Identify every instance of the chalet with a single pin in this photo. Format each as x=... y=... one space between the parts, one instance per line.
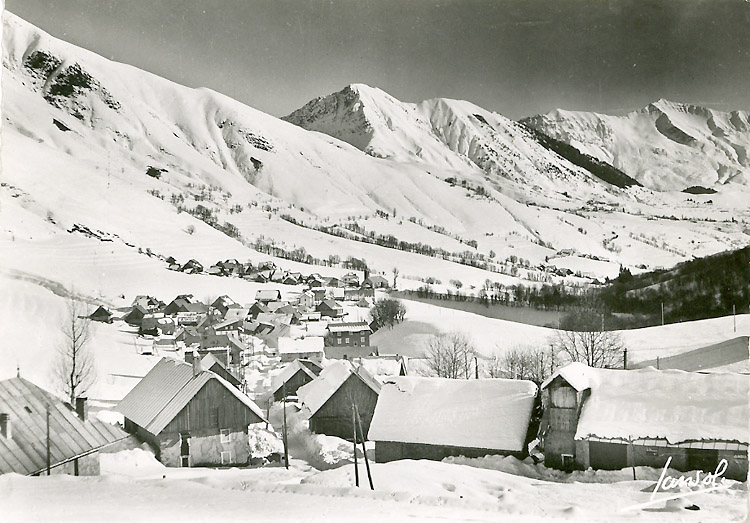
x=223 y=304
x=291 y=378
x=328 y=399
x=266 y=266
x=268 y=295
x=177 y=305
x=149 y=303
x=375 y=282
x=191 y=416
x=433 y=418
x=365 y=302
x=348 y=334
x=150 y=323
x=350 y=279
x=258 y=308
x=189 y=335
x=101 y=314
x=310 y=348
x=330 y=308
x=192 y=267
x=135 y=315
x=292 y=278
x=315 y=281
x=333 y=281
x=277 y=276
x=236 y=314
x=76 y=439
x=229 y=341
x=215 y=270
x=227 y=326
x=306 y=300
x=612 y=419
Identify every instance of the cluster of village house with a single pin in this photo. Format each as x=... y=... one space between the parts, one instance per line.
x=194 y=410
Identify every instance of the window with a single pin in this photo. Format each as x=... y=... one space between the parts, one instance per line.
x=346 y=340
x=184 y=449
x=226 y=457
x=362 y=338
x=225 y=437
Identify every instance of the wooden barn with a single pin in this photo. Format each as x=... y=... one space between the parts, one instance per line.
x=191 y=416
x=612 y=419
x=309 y=348
x=101 y=314
x=433 y=418
x=135 y=315
x=291 y=378
x=330 y=308
x=210 y=362
x=328 y=399
x=76 y=440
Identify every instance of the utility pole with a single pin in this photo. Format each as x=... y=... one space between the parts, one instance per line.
x=662 y=314
x=48 y=446
x=625 y=358
x=734 y=316
x=476 y=368
x=354 y=443
x=286 y=445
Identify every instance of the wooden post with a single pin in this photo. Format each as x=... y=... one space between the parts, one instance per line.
x=734 y=316
x=657 y=363
x=632 y=455
x=354 y=445
x=286 y=444
x=364 y=449
x=662 y=313
x=625 y=358
x=48 y=449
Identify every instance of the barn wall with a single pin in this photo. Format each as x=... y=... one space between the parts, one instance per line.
x=212 y=407
x=335 y=417
x=386 y=451
x=561 y=419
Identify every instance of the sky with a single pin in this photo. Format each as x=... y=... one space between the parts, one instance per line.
x=514 y=57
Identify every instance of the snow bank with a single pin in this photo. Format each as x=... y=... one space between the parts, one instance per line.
x=133 y=463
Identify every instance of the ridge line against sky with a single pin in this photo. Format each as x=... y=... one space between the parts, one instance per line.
x=514 y=57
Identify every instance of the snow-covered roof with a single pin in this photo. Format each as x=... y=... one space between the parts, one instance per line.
x=487 y=414
x=301 y=345
x=315 y=394
x=671 y=404
x=381 y=366
x=356 y=326
x=288 y=372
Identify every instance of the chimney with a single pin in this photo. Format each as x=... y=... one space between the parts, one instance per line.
x=82 y=408
x=189 y=357
x=5 y=425
x=197 y=368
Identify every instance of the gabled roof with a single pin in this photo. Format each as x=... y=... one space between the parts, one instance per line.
x=268 y=295
x=486 y=414
x=301 y=345
x=166 y=390
x=316 y=393
x=331 y=304
x=288 y=372
x=660 y=404
x=26 y=451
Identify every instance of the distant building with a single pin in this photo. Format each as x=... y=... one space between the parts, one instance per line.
x=291 y=378
x=328 y=399
x=309 y=348
x=268 y=295
x=433 y=418
x=135 y=315
x=375 y=282
x=101 y=314
x=330 y=308
x=76 y=439
x=191 y=416
x=348 y=334
x=611 y=419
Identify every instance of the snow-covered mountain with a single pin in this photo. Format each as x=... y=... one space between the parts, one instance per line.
x=171 y=169
x=667 y=146
x=444 y=133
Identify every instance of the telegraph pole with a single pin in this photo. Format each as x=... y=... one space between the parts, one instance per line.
x=48 y=450
x=662 y=314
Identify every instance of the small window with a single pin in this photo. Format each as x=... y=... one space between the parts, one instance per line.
x=226 y=457
x=362 y=339
x=225 y=437
x=346 y=340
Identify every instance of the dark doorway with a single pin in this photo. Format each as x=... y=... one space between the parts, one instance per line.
x=185 y=449
x=608 y=456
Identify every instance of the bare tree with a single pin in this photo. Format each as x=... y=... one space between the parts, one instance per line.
x=582 y=338
x=449 y=355
x=74 y=369
x=523 y=363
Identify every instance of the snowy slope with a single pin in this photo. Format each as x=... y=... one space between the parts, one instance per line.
x=667 y=146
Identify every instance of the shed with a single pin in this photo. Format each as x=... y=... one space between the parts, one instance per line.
x=330 y=308
x=612 y=419
x=191 y=416
x=328 y=399
x=76 y=439
x=268 y=295
x=101 y=314
x=135 y=315
x=291 y=378
x=432 y=418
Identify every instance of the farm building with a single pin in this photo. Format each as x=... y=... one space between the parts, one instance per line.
x=348 y=334
x=330 y=308
x=191 y=416
x=384 y=367
x=350 y=353
x=611 y=419
x=101 y=314
x=210 y=362
x=375 y=282
x=224 y=303
x=75 y=439
x=135 y=315
x=291 y=378
x=328 y=399
x=268 y=295
x=433 y=418
x=309 y=348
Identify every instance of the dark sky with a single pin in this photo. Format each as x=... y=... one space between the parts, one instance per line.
x=515 y=57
